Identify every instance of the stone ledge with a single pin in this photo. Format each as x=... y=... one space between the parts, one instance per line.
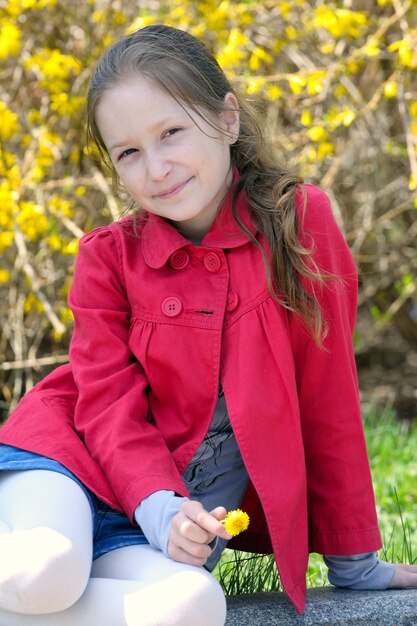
x=326 y=606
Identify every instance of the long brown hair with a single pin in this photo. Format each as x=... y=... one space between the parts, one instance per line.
x=182 y=65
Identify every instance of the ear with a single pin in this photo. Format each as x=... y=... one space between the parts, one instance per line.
x=231 y=116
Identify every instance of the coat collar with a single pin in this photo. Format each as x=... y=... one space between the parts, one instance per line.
x=160 y=239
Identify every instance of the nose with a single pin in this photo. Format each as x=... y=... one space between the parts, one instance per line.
x=157 y=166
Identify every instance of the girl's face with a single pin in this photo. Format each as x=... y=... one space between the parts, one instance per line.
x=170 y=160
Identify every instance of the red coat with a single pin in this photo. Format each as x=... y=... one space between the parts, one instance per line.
x=158 y=322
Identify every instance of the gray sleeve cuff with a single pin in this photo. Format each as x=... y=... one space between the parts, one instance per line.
x=359 y=571
x=154 y=515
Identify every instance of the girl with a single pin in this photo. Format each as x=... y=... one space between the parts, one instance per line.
x=211 y=367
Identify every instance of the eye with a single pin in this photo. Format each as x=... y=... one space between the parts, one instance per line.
x=126 y=153
x=171 y=132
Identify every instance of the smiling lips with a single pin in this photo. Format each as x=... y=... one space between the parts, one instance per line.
x=172 y=191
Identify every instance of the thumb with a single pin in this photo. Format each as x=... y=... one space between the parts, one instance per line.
x=220 y=513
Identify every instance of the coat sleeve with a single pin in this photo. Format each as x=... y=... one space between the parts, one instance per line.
x=112 y=412
x=341 y=506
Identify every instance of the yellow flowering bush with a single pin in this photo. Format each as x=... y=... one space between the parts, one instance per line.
x=10 y=39
x=336 y=83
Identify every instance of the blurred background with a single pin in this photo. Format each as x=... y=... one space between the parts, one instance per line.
x=337 y=83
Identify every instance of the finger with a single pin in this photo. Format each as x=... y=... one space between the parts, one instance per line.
x=403 y=578
x=195 y=511
x=210 y=523
x=196 y=550
x=406 y=567
x=178 y=554
x=183 y=526
x=219 y=512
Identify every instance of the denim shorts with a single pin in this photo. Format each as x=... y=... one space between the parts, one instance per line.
x=111 y=529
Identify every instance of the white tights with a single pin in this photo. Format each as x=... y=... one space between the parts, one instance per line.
x=47 y=577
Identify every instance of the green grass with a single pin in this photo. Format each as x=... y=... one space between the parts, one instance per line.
x=392 y=448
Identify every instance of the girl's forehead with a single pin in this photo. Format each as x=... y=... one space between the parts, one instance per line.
x=141 y=95
x=135 y=92
x=145 y=91
x=138 y=82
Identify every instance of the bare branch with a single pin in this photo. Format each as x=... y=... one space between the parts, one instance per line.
x=34 y=363
x=35 y=283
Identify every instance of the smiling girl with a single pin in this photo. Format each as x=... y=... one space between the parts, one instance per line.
x=211 y=367
x=173 y=163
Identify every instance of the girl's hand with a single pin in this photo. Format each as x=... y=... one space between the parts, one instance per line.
x=192 y=529
x=405 y=576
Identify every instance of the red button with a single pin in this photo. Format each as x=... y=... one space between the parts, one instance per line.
x=232 y=301
x=179 y=259
x=212 y=262
x=171 y=306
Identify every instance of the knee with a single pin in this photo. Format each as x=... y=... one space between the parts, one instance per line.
x=41 y=571
x=186 y=597
x=206 y=604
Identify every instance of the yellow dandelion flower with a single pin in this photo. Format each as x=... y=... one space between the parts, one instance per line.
x=236 y=522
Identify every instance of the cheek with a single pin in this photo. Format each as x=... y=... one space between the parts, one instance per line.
x=131 y=179
x=214 y=158
x=219 y=158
